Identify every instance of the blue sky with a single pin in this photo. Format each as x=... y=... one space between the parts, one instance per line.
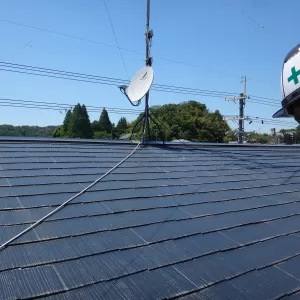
x=217 y=41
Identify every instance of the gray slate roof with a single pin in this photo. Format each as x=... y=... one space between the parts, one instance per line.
x=192 y=222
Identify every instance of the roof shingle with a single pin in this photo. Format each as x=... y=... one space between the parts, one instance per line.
x=188 y=222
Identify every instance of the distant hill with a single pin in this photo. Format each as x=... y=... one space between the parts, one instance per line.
x=32 y=131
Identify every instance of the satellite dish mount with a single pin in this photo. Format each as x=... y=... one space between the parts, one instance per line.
x=140 y=86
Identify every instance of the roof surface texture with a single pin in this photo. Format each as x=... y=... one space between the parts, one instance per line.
x=205 y=222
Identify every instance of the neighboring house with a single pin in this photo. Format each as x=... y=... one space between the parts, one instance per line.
x=289 y=138
x=177 y=221
x=282 y=138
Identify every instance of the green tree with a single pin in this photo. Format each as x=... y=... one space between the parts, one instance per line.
x=58 y=132
x=189 y=120
x=262 y=138
x=34 y=131
x=114 y=132
x=104 y=122
x=87 y=127
x=297 y=137
x=122 y=126
x=67 y=120
x=76 y=123
x=259 y=138
x=95 y=126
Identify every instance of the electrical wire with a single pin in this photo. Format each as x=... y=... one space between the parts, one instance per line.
x=103 y=80
x=109 y=45
x=275 y=124
x=8 y=102
x=81 y=77
x=4 y=245
x=38 y=71
x=124 y=49
x=5 y=102
x=60 y=77
x=61 y=72
x=58 y=109
x=271 y=121
x=252 y=20
x=94 y=79
x=116 y=39
x=264 y=98
x=117 y=82
x=64 y=105
x=264 y=103
x=65 y=35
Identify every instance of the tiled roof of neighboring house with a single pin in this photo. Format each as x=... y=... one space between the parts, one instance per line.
x=188 y=222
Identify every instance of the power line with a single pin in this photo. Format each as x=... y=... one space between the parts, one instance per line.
x=81 y=77
x=65 y=35
x=59 y=72
x=274 y=123
x=65 y=105
x=265 y=98
x=116 y=39
x=45 y=72
x=120 y=111
x=271 y=120
x=120 y=48
x=252 y=20
x=59 y=107
x=102 y=78
x=105 y=44
x=113 y=81
x=263 y=103
x=180 y=90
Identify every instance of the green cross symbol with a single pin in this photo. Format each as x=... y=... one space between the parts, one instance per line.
x=294 y=76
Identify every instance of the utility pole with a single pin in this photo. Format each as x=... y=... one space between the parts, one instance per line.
x=242 y=106
x=242 y=101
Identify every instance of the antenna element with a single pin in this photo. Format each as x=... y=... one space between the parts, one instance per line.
x=140 y=86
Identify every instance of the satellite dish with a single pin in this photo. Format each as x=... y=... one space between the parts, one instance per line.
x=139 y=85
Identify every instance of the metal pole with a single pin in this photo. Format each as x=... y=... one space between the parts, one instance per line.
x=147 y=31
x=146 y=129
x=241 y=121
x=241 y=115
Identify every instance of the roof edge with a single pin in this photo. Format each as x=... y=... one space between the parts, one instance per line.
x=64 y=140
x=221 y=145
x=134 y=142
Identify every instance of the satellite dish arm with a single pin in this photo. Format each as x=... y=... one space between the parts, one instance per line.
x=123 y=91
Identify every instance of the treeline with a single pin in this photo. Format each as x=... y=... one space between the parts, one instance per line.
x=30 y=131
x=189 y=121
x=77 y=124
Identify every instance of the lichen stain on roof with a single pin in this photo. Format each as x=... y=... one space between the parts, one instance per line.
x=180 y=221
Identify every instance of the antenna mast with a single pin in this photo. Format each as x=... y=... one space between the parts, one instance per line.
x=149 y=35
x=146 y=117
